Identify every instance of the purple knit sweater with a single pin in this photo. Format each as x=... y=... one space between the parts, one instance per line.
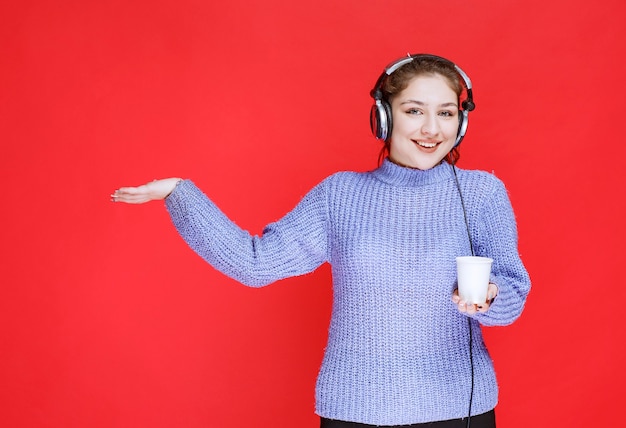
x=398 y=349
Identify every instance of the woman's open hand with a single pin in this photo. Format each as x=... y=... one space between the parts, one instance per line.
x=471 y=308
x=152 y=191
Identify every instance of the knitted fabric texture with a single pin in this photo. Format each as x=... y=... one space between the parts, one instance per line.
x=398 y=349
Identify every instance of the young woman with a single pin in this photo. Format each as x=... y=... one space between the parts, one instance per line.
x=403 y=348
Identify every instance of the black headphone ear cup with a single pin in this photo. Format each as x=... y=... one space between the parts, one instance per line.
x=463 y=120
x=468 y=105
x=380 y=120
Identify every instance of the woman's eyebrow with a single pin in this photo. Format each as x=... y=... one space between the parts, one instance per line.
x=421 y=103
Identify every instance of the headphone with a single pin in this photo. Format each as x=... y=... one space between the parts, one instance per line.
x=380 y=116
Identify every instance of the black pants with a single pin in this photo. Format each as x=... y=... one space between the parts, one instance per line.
x=486 y=420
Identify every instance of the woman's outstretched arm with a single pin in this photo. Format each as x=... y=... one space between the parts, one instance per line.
x=294 y=245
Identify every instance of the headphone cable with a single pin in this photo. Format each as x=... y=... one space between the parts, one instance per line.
x=469 y=320
x=458 y=186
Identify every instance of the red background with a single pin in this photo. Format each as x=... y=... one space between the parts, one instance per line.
x=107 y=319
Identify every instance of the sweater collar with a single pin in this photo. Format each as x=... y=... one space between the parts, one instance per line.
x=397 y=175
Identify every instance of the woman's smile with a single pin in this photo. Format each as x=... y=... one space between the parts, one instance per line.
x=426 y=144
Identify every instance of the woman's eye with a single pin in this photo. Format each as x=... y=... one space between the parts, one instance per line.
x=447 y=113
x=413 y=111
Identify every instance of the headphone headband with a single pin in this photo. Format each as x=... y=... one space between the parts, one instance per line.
x=380 y=117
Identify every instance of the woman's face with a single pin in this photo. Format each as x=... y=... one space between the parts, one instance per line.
x=425 y=122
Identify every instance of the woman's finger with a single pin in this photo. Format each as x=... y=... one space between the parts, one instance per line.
x=130 y=195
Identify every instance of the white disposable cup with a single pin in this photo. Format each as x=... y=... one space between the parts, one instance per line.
x=473 y=274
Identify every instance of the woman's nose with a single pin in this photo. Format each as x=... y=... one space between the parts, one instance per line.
x=430 y=126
